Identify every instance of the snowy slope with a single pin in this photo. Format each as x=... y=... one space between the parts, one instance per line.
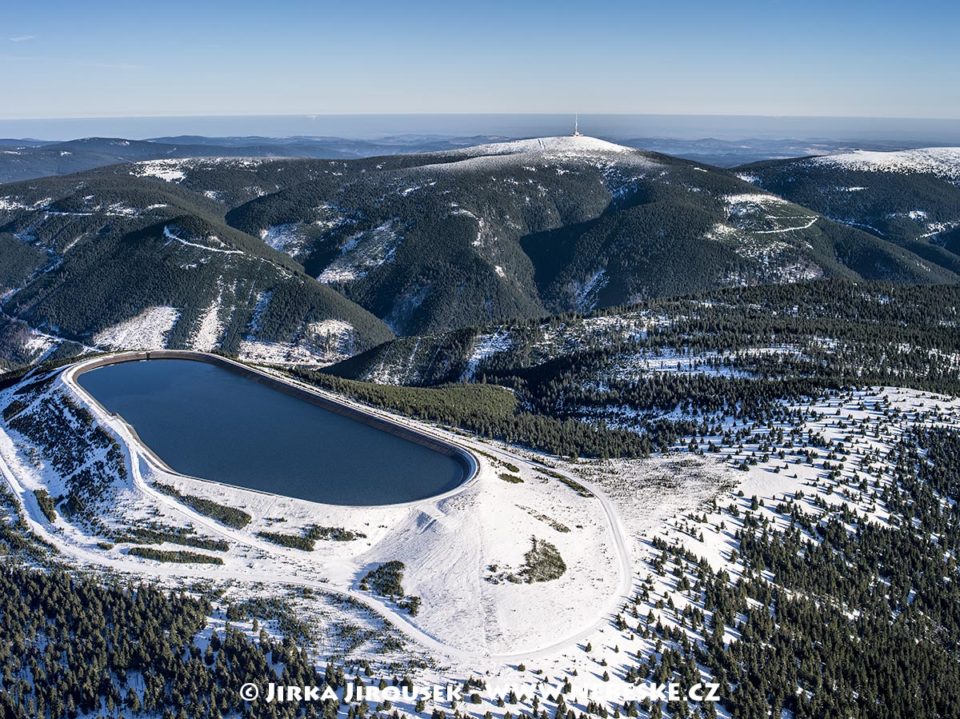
x=561 y=150
x=940 y=161
x=561 y=145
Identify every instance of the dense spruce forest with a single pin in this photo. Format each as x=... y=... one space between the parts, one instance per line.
x=864 y=623
x=76 y=647
x=742 y=352
x=489 y=412
x=839 y=329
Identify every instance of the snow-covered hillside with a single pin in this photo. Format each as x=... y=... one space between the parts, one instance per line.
x=940 y=161
x=175 y=170
x=562 y=150
x=569 y=145
x=148 y=330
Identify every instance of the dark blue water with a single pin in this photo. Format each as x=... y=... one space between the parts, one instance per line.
x=212 y=423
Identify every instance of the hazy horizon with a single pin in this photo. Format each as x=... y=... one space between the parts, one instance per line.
x=619 y=126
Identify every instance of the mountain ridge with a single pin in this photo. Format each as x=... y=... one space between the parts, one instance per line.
x=349 y=253
x=91 y=261
x=509 y=210
x=910 y=198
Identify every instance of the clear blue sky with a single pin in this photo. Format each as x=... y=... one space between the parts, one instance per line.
x=838 y=58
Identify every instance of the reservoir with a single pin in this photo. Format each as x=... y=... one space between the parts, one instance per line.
x=216 y=423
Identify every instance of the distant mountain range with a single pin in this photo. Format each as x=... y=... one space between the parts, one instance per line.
x=312 y=261
x=26 y=159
